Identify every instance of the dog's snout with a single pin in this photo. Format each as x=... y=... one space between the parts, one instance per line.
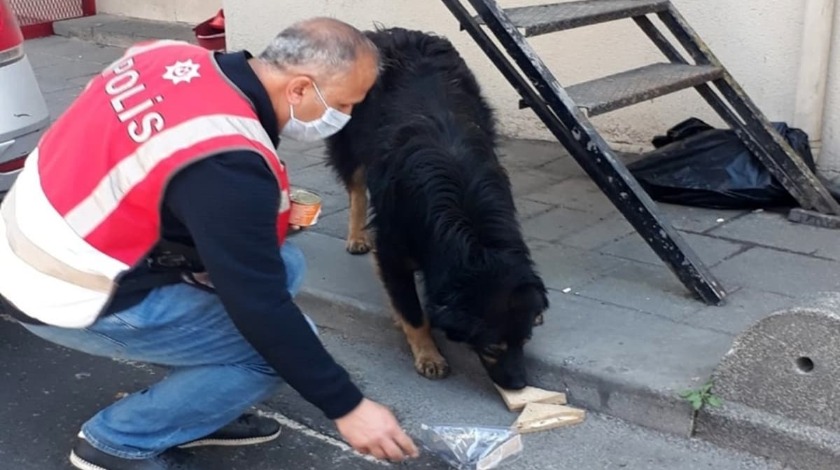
x=511 y=382
x=506 y=367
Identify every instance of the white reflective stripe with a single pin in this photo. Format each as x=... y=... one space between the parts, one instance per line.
x=39 y=259
x=42 y=224
x=285 y=201
x=44 y=297
x=105 y=198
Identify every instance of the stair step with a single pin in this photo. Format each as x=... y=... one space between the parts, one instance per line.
x=544 y=19
x=624 y=89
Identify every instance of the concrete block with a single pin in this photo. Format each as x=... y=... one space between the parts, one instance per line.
x=72 y=49
x=605 y=231
x=102 y=55
x=321 y=180
x=50 y=84
x=638 y=286
x=294 y=146
x=527 y=180
x=297 y=161
x=318 y=151
x=81 y=82
x=575 y=193
x=333 y=273
x=60 y=101
x=710 y=250
x=52 y=50
x=38 y=58
x=565 y=167
x=334 y=225
x=743 y=308
x=778 y=271
x=529 y=154
x=528 y=209
x=815 y=219
x=696 y=219
x=565 y=267
x=776 y=231
x=788 y=364
x=65 y=70
x=111 y=30
x=557 y=223
x=781 y=374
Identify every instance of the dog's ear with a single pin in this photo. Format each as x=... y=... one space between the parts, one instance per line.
x=529 y=299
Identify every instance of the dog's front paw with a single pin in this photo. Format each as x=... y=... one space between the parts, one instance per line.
x=432 y=366
x=358 y=245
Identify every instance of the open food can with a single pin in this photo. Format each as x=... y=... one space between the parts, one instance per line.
x=306 y=207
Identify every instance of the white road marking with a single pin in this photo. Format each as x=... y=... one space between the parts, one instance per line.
x=307 y=431
x=137 y=365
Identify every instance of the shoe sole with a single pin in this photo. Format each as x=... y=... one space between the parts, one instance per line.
x=229 y=442
x=82 y=464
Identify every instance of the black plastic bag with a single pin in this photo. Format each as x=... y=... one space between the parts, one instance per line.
x=695 y=164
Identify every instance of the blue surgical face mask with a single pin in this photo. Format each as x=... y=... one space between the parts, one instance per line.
x=328 y=124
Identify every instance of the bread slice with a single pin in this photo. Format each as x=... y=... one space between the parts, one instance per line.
x=542 y=417
x=516 y=400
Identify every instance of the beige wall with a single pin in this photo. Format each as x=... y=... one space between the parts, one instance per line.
x=757 y=40
x=185 y=11
x=830 y=158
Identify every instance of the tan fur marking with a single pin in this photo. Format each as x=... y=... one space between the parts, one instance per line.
x=427 y=358
x=491 y=360
x=491 y=353
x=358 y=241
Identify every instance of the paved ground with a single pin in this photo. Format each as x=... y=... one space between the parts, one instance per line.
x=623 y=336
x=49 y=391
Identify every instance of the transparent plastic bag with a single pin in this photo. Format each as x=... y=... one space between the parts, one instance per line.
x=472 y=448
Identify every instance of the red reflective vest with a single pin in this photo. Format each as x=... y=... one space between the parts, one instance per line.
x=87 y=205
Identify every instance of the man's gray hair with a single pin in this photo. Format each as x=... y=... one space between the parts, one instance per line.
x=324 y=46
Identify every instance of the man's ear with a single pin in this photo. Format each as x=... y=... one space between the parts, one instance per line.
x=296 y=88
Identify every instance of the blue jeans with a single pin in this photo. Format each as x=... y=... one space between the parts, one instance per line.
x=215 y=373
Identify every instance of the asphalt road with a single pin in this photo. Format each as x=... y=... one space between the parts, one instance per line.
x=48 y=391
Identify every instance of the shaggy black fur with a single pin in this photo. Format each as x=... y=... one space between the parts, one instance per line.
x=442 y=202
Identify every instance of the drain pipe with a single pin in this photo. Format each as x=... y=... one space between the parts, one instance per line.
x=813 y=70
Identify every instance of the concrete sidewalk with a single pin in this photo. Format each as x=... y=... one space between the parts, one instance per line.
x=623 y=336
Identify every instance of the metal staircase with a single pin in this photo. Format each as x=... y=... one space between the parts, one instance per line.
x=566 y=110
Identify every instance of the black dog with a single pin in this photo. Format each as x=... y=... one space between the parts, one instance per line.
x=423 y=142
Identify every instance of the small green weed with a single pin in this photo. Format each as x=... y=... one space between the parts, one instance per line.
x=702 y=396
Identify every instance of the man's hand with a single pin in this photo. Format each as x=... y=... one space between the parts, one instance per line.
x=372 y=429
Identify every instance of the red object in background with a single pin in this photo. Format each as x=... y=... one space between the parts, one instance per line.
x=211 y=33
x=10 y=35
x=36 y=17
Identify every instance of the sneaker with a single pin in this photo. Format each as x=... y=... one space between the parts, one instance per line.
x=248 y=429
x=86 y=457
